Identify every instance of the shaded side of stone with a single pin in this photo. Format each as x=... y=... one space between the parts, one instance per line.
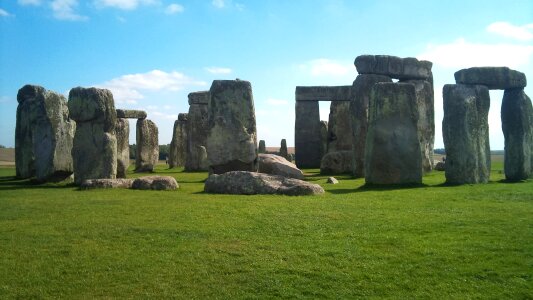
x=307 y=135
x=339 y=127
x=283 y=151
x=197 y=131
x=147 y=146
x=337 y=162
x=122 y=131
x=262 y=147
x=178 y=145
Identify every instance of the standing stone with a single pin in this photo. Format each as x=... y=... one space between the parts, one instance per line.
x=359 y=115
x=232 y=138
x=43 y=135
x=517 y=126
x=337 y=162
x=95 y=145
x=147 y=146
x=197 y=130
x=323 y=138
x=283 y=151
x=178 y=145
x=262 y=147
x=392 y=145
x=308 y=140
x=339 y=127
x=465 y=131
x=122 y=130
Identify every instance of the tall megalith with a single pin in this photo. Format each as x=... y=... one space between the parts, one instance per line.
x=178 y=145
x=196 y=157
x=122 y=131
x=147 y=146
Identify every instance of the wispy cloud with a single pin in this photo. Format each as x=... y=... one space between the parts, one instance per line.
x=29 y=2
x=461 y=53
x=6 y=99
x=129 y=88
x=174 y=8
x=65 y=10
x=123 y=4
x=218 y=3
x=4 y=13
x=218 y=70
x=505 y=29
x=276 y=102
x=327 y=67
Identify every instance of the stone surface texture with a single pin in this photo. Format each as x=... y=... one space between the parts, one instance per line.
x=155 y=183
x=465 y=131
x=94 y=150
x=147 y=146
x=517 y=126
x=106 y=183
x=277 y=165
x=197 y=131
x=178 y=146
x=122 y=132
x=392 y=152
x=131 y=114
x=337 y=162
x=251 y=183
x=495 y=78
x=393 y=66
x=339 y=127
x=232 y=135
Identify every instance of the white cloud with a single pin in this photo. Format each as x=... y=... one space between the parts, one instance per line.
x=128 y=88
x=276 y=102
x=64 y=10
x=218 y=3
x=124 y=4
x=461 y=54
x=174 y=8
x=521 y=33
x=327 y=67
x=217 y=70
x=4 y=13
x=29 y=2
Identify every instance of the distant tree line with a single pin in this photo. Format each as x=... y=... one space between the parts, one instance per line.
x=440 y=151
x=164 y=151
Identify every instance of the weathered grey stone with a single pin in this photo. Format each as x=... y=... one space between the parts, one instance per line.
x=122 y=131
x=232 y=136
x=197 y=130
x=94 y=151
x=359 y=115
x=178 y=145
x=262 y=147
x=277 y=165
x=155 y=183
x=465 y=131
x=251 y=183
x=147 y=154
x=307 y=135
x=440 y=166
x=43 y=135
x=106 y=183
x=339 y=127
x=131 y=114
x=332 y=180
x=426 y=121
x=323 y=138
x=283 y=151
x=393 y=66
x=337 y=162
x=392 y=152
x=323 y=93
x=517 y=126
x=495 y=78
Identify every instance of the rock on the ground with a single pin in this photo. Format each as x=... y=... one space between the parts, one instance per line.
x=131 y=114
x=147 y=154
x=494 y=78
x=338 y=162
x=393 y=66
x=332 y=180
x=277 y=165
x=155 y=183
x=251 y=183
x=106 y=183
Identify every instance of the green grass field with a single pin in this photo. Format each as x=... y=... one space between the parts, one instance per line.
x=434 y=241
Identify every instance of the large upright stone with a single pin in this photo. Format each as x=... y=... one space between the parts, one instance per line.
x=339 y=127
x=392 y=153
x=178 y=145
x=393 y=66
x=323 y=138
x=147 y=146
x=307 y=135
x=495 y=78
x=122 y=131
x=197 y=126
x=43 y=134
x=283 y=151
x=517 y=126
x=232 y=138
x=262 y=147
x=95 y=145
x=359 y=116
x=465 y=131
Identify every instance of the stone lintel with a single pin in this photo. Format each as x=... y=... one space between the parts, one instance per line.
x=323 y=93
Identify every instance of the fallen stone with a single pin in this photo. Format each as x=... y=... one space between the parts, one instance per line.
x=178 y=145
x=494 y=78
x=106 y=183
x=147 y=154
x=465 y=131
x=332 y=180
x=131 y=114
x=393 y=66
x=277 y=165
x=122 y=132
x=338 y=162
x=251 y=183
x=155 y=183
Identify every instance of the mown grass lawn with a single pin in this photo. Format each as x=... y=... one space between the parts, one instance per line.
x=434 y=241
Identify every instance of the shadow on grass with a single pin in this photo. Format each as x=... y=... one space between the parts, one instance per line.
x=378 y=188
x=14 y=183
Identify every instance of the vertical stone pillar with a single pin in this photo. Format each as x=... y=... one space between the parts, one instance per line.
x=339 y=127
x=147 y=146
x=178 y=145
x=392 y=146
x=196 y=158
x=122 y=131
x=94 y=150
x=307 y=135
x=232 y=135
x=262 y=147
x=517 y=126
x=465 y=131
x=283 y=151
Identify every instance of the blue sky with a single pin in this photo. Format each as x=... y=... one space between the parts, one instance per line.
x=152 y=53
